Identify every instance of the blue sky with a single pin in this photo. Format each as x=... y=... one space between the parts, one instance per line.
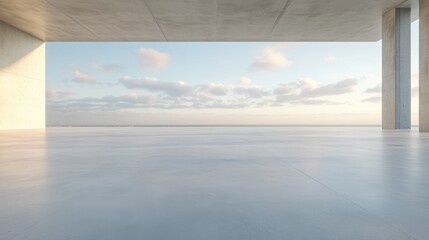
x=216 y=83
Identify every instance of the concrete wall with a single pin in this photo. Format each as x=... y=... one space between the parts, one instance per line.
x=22 y=79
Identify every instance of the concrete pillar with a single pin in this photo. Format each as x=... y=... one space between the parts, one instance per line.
x=396 y=82
x=424 y=66
x=22 y=79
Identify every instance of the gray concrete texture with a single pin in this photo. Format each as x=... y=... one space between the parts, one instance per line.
x=199 y=20
x=424 y=66
x=214 y=183
x=396 y=82
x=22 y=79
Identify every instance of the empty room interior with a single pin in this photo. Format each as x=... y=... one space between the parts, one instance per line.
x=214 y=119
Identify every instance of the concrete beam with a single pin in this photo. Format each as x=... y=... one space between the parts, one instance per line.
x=396 y=82
x=22 y=79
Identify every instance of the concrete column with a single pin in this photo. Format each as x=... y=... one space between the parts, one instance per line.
x=424 y=66
x=396 y=82
x=22 y=79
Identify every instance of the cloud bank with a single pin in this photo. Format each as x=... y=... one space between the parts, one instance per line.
x=149 y=92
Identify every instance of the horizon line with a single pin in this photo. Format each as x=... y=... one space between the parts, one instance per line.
x=217 y=125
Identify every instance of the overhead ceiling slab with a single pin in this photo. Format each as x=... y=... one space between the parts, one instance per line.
x=199 y=20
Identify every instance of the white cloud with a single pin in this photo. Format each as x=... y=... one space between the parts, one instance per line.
x=296 y=87
x=244 y=81
x=82 y=77
x=215 y=89
x=414 y=85
x=57 y=94
x=415 y=79
x=330 y=58
x=173 y=89
x=168 y=95
x=268 y=59
x=252 y=91
x=304 y=90
x=136 y=98
x=245 y=87
x=107 y=67
x=344 y=86
x=415 y=91
x=153 y=59
x=375 y=99
x=375 y=89
x=106 y=103
x=315 y=102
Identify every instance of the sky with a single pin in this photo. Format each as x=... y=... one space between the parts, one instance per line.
x=204 y=83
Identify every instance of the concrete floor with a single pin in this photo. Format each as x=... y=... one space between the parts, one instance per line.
x=214 y=183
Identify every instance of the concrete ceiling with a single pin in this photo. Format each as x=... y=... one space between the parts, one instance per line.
x=198 y=20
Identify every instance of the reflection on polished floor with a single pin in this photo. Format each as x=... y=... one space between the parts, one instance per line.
x=214 y=183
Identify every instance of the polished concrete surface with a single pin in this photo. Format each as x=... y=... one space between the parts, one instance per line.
x=214 y=183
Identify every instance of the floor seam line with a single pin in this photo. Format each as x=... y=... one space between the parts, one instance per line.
x=343 y=197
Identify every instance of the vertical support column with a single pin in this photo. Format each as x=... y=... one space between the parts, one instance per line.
x=396 y=82
x=424 y=66
x=22 y=79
